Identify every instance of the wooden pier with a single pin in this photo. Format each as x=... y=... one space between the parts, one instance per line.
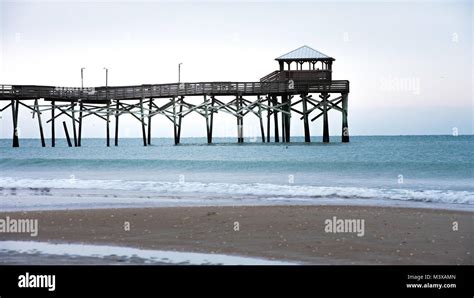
x=309 y=84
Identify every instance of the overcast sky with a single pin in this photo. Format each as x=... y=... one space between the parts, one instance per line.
x=409 y=63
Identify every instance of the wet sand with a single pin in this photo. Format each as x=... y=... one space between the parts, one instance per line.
x=288 y=233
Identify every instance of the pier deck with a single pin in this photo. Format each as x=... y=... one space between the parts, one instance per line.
x=102 y=94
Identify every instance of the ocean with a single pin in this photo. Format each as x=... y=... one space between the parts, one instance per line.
x=403 y=171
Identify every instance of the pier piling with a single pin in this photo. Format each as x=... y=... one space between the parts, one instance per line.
x=307 y=136
x=40 y=124
x=240 y=120
x=142 y=120
x=117 y=114
x=67 y=134
x=107 y=124
x=15 y=108
x=275 y=119
x=150 y=106
x=345 y=126
x=53 y=135
x=73 y=116
x=287 y=117
x=180 y=118
x=324 y=98
x=269 y=114
x=79 y=138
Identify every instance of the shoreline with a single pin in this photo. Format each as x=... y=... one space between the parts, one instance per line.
x=362 y=203
x=283 y=233
x=155 y=195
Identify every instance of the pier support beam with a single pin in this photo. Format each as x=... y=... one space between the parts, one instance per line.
x=180 y=119
x=142 y=120
x=285 y=118
x=240 y=120
x=345 y=126
x=15 y=108
x=268 y=118
x=175 y=125
x=209 y=118
x=150 y=105
x=79 y=138
x=177 y=117
x=324 y=98
x=117 y=114
x=107 y=119
x=213 y=100
x=73 y=117
x=53 y=135
x=206 y=115
x=262 y=130
x=40 y=124
x=307 y=136
x=67 y=134
x=287 y=100
x=283 y=122
x=275 y=119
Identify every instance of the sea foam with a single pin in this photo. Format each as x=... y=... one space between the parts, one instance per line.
x=209 y=193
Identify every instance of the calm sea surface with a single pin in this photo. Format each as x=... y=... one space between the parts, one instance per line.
x=434 y=171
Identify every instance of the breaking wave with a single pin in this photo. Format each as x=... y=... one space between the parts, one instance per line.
x=230 y=190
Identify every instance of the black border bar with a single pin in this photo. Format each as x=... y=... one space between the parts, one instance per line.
x=218 y=281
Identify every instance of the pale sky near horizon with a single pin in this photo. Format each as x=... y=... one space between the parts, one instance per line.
x=409 y=63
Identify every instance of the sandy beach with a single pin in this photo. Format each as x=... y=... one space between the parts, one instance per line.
x=288 y=233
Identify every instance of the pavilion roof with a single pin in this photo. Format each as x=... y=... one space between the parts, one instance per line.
x=304 y=53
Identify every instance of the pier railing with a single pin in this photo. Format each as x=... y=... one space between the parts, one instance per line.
x=103 y=94
x=270 y=77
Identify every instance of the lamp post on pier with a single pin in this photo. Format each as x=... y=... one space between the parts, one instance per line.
x=106 y=76
x=82 y=77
